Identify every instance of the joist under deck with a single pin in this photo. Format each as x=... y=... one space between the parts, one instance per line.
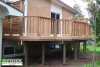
x=67 y=38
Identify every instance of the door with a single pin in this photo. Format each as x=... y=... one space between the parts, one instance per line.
x=55 y=23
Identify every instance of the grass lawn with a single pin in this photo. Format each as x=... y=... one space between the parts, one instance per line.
x=93 y=49
x=91 y=65
x=97 y=51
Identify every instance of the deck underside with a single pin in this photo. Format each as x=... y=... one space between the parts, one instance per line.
x=30 y=38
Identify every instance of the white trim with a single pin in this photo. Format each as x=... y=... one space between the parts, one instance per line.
x=15 y=34
x=11 y=34
x=6 y=34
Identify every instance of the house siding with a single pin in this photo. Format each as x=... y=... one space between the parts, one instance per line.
x=44 y=8
x=39 y=8
x=66 y=14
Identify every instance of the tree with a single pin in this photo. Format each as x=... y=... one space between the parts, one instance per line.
x=98 y=22
x=94 y=9
x=77 y=8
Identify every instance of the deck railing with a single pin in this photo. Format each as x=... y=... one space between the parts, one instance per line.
x=41 y=26
x=46 y=27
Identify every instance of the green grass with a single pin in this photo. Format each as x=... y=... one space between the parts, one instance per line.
x=97 y=51
x=93 y=49
x=91 y=65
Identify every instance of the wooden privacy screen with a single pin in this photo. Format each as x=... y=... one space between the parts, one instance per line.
x=12 y=25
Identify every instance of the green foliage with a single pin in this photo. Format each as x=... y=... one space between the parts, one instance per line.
x=98 y=1
x=94 y=9
x=91 y=65
x=77 y=8
x=98 y=26
x=98 y=23
x=97 y=52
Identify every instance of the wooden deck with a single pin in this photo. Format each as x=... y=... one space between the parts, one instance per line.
x=35 y=28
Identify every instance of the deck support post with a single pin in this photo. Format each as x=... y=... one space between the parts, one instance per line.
x=75 y=51
x=43 y=54
x=84 y=47
x=78 y=49
x=25 y=56
x=64 y=53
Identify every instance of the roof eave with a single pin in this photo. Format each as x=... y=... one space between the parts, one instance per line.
x=12 y=11
x=67 y=7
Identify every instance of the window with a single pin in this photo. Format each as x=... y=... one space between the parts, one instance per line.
x=8 y=50
x=55 y=22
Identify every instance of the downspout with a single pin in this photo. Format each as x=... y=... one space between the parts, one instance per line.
x=1 y=40
x=25 y=16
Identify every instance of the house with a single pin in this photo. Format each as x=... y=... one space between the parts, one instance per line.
x=5 y=10
x=46 y=25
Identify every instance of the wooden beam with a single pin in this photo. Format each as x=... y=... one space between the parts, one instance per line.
x=64 y=54
x=78 y=49
x=43 y=54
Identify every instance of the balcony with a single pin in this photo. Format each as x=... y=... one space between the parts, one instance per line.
x=46 y=29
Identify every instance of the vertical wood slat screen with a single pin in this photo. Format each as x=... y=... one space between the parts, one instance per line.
x=12 y=25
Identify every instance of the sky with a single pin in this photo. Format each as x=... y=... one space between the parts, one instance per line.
x=82 y=4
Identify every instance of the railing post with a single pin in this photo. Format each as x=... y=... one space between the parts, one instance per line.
x=25 y=55
x=84 y=47
x=75 y=51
